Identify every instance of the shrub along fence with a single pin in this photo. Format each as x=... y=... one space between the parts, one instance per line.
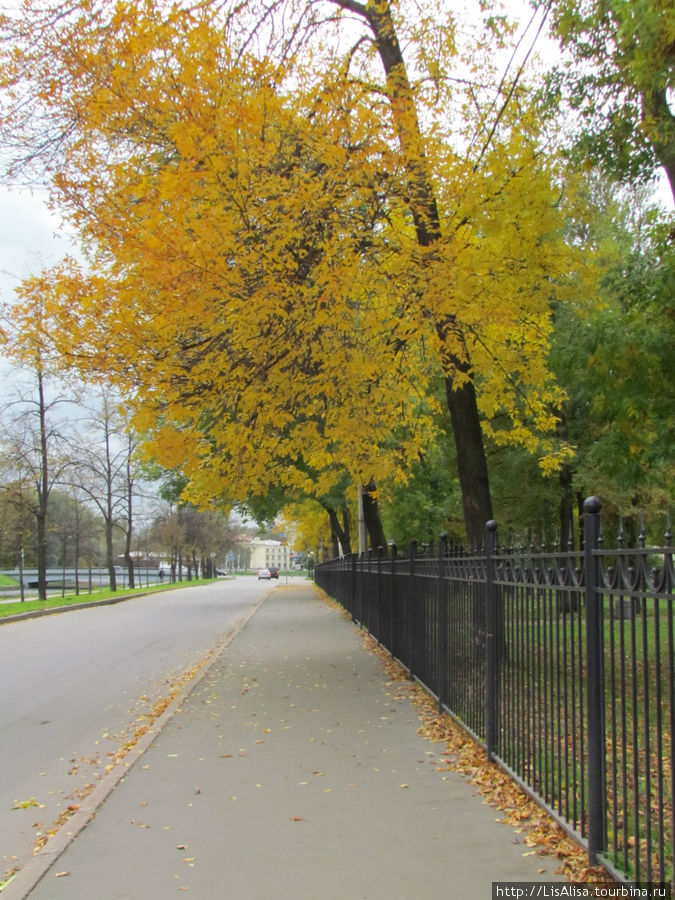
x=560 y=662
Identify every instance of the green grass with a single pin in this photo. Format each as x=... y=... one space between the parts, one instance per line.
x=54 y=602
x=631 y=724
x=6 y=581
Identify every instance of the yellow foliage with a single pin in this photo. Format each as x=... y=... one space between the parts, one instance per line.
x=256 y=287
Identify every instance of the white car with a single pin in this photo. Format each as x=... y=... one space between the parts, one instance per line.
x=264 y=573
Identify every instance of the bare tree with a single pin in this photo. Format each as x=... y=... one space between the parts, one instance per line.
x=106 y=471
x=34 y=448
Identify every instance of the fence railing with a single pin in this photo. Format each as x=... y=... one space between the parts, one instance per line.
x=560 y=662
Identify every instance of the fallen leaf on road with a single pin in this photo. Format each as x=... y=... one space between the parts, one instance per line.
x=26 y=804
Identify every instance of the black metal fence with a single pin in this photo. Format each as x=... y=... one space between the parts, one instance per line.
x=560 y=662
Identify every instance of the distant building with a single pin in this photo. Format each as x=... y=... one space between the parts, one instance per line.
x=268 y=553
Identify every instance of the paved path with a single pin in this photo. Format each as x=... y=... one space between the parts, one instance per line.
x=291 y=770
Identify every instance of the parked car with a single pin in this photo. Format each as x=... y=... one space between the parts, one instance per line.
x=264 y=573
x=274 y=572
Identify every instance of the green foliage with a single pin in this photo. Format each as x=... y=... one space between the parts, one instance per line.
x=428 y=504
x=616 y=81
x=615 y=357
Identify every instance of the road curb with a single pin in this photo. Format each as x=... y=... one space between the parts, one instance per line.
x=37 y=867
x=87 y=604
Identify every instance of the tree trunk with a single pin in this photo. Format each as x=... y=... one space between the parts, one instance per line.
x=371 y=514
x=334 y=539
x=656 y=107
x=471 y=461
x=78 y=538
x=41 y=528
x=129 y=561
x=21 y=581
x=43 y=493
x=129 y=485
x=462 y=405
x=347 y=546
x=566 y=507
x=339 y=538
x=109 y=554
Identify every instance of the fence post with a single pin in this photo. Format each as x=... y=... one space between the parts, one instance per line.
x=378 y=594
x=355 y=614
x=594 y=686
x=442 y=623
x=368 y=593
x=411 y=610
x=394 y=606
x=491 y=641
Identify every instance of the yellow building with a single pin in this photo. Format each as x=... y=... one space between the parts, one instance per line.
x=268 y=553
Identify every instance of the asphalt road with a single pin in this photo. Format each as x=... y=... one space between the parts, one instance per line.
x=75 y=686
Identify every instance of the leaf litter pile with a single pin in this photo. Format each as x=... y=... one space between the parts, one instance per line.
x=540 y=833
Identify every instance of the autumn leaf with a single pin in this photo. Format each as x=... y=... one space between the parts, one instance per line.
x=27 y=804
x=278 y=257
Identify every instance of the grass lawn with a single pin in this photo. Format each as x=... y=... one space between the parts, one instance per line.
x=12 y=608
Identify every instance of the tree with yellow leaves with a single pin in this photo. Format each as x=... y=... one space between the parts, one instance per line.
x=286 y=254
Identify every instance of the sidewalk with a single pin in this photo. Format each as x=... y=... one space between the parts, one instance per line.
x=291 y=772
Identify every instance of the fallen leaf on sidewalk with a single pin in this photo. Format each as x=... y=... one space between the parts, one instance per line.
x=467 y=758
x=61 y=874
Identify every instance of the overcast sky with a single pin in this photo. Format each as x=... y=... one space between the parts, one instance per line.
x=31 y=238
